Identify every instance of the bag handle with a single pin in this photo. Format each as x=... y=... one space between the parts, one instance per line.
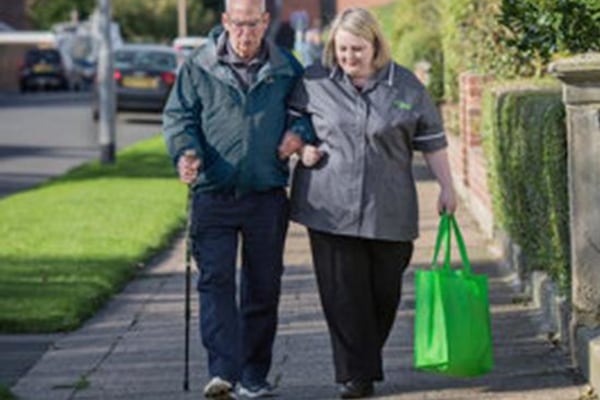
x=442 y=235
x=462 y=249
x=448 y=225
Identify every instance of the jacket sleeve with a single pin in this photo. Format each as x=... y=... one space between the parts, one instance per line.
x=298 y=118
x=429 y=135
x=182 y=128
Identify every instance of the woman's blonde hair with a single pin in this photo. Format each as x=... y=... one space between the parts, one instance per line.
x=359 y=22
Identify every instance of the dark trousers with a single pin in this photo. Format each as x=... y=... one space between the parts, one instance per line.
x=360 y=282
x=238 y=333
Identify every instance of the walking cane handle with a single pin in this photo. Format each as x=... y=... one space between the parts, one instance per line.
x=191 y=153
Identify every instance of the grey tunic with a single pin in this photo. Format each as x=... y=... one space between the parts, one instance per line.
x=364 y=186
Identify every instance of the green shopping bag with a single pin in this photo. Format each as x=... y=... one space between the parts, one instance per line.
x=452 y=316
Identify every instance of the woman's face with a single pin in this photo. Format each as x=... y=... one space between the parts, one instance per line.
x=354 y=54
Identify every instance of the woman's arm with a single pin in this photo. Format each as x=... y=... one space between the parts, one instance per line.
x=437 y=161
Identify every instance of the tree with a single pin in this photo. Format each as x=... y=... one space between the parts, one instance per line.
x=156 y=20
x=45 y=13
x=140 y=20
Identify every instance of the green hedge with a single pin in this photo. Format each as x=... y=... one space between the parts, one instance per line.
x=541 y=31
x=524 y=135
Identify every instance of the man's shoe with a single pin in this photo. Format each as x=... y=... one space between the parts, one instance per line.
x=356 y=389
x=256 y=391
x=218 y=388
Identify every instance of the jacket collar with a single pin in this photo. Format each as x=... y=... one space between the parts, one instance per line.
x=207 y=57
x=226 y=54
x=384 y=75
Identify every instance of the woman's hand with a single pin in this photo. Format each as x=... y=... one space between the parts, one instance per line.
x=310 y=155
x=447 y=201
x=439 y=165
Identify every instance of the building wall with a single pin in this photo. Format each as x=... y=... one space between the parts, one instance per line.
x=12 y=12
x=312 y=7
x=328 y=10
x=10 y=58
x=343 y=4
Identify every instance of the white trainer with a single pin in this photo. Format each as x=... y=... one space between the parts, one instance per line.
x=254 y=392
x=218 y=388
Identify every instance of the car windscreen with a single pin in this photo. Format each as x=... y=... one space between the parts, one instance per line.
x=125 y=59
x=39 y=56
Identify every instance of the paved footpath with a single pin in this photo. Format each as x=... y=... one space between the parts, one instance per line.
x=133 y=348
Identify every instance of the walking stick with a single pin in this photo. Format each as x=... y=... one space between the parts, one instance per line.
x=188 y=279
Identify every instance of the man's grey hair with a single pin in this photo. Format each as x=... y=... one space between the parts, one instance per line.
x=263 y=5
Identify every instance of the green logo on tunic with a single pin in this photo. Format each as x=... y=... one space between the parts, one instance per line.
x=402 y=105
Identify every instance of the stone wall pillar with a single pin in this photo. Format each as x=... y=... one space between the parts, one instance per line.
x=581 y=94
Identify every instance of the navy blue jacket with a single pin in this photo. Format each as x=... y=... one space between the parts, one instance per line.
x=235 y=132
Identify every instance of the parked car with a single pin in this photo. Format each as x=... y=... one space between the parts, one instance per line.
x=184 y=45
x=48 y=68
x=43 y=69
x=144 y=75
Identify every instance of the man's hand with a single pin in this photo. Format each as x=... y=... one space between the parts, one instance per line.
x=290 y=144
x=310 y=155
x=188 y=166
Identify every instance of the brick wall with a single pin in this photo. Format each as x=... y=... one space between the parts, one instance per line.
x=467 y=159
x=312 y=7
x=10 y=58
x=12 y=12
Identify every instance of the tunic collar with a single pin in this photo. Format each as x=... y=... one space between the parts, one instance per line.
x=384 y=75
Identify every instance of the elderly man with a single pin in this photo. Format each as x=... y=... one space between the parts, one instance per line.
x=228 y=108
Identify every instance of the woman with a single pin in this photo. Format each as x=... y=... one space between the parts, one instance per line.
x=355 y=192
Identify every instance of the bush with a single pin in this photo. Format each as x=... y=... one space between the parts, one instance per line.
x=526 y=145
x=504 y=38
x=513 y=38
x=470 y=42
x=542 y=29
x=412 y=27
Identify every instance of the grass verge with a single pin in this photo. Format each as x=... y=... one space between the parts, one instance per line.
x=68 y=245
x=6 y=394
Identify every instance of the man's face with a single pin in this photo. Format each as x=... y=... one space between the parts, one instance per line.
x=246 y=24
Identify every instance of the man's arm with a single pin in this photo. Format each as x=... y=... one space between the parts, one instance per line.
x=181 y=127
x=299 y=129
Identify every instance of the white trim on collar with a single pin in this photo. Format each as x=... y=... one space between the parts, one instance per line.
x=424 y=138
